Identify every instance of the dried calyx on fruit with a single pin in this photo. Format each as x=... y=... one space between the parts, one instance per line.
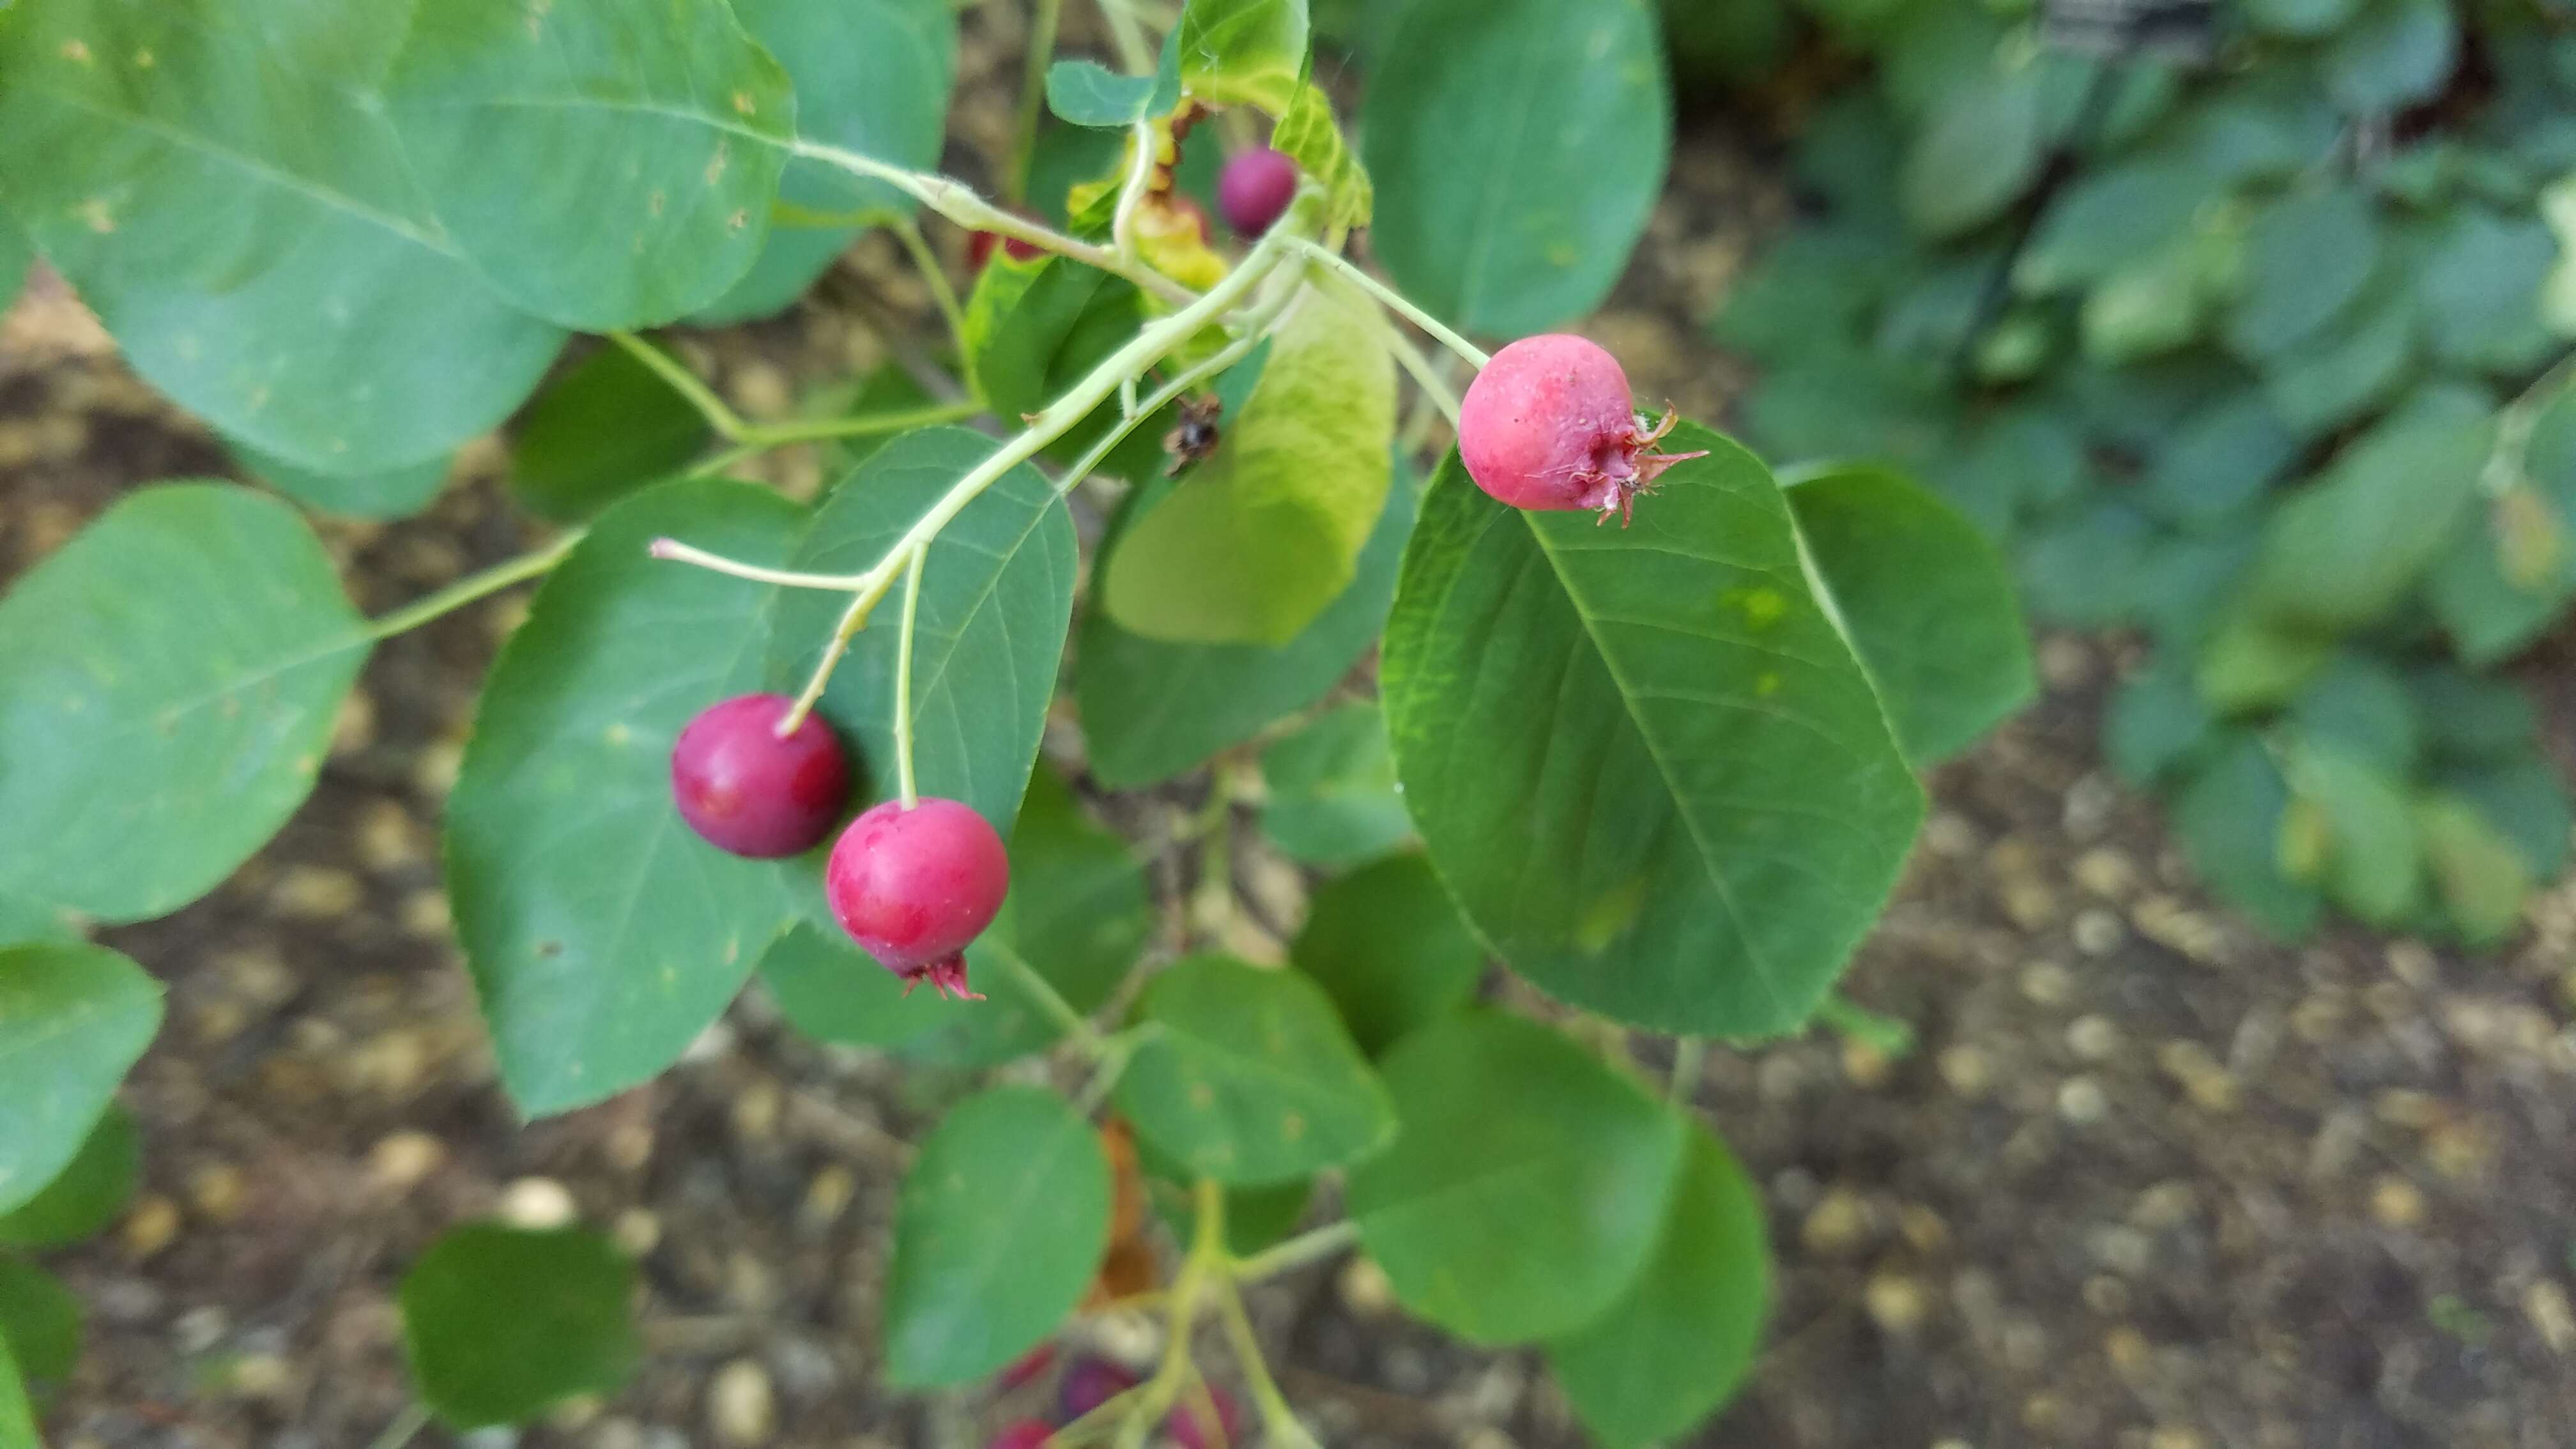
x=914 y=886
x=747 y=789
x=1549 y=423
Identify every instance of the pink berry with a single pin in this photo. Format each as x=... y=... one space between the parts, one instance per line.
x=913 y=887
x=1254 y=189
x=1088 y=1384
x=1026 y=1434
x=1185 y=1429
x=748 y=791
x=980 y=244
x=1549 y=423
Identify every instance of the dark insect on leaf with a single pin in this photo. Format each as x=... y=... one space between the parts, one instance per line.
x=1195 y=437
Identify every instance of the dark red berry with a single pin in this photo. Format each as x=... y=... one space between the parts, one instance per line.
x=913 y=887
x=1254 y=189
x=1027 y=1366
x=1549 y=423
x=1026 y=1434
x=979 y=249
x=746 y=790
x=1088 y=1384
x=1187 y=1431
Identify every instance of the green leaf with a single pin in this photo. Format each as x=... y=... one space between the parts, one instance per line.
x=1087 y=93
x=1249 y=1077
x=2341 y=552
x=1387 y=945
x=1255 y=1217
x=2525 y=798
x=2158 y=724
x=2307 y=257
x=72 y=1020
x=1644 y=760
x=237 y=211
x=1531 y=222
x=603 y=935
x=1523 y=1192
x=1978 y=150
x=1307 y=134
x=2350 y=367
x=17 y=253
x=40 y=1328
x=1152 y=710
x=2219 y=462
x=173 y=675
x=2304 y=19
x=1077 y=917
x=999 y=1225
x=677 y=123
x=2251 y=663
x=383 y=495
x=2483 y=880
x=1242 y=50
x=87 y=1194
x=2490 y=612
x=502 y=1324
x=2229 y=819
x=996 y=600
x=2397 y=53
x=2374 y=863
x=599 y=432
x=871 y=76
x=17 y=1416
x=1333 y=799
x=1253 y=545
x=2111 y=218
x=1674 y=1348
x=23 y=921
x=2481 y=289
x=1927 y=601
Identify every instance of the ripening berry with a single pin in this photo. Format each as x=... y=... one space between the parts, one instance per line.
x=1549 y=423
x=1025 y=1369
x=1088 y=1384
x=1254 y=189
x=913 y=887
x=746 y=790
x=1185 y=1428
x=979 y=249
x=1026 y=1434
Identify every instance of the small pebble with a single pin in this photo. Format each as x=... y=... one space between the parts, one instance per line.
x=2098 y=932
x=741 y=1407
x=217 y=1192
x=2080 y=1101
x=1966 y=1070
x=1895 y=1302
x=403 y=1160
x=637 y=1232
x=150 y=1226
x=2092 y=1038
x=2545 y=1304
x=2395 y=1202
x=2045 y=983
x=1835 y=1225
x=537 y=1202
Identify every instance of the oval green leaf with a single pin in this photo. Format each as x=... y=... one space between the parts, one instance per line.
x=1333 y=799
x=1250 y=1077
x=1253 y=545
x=72 y=1020
x=40 y=1328
x=257 y=249
x=996 y=601
x=602 y=933
x=1927 y=600
x=2308 y=255
x=1532 y=223
x=502 y=1323
x=1525 y=1185
x=1153 y=709
x=1077 y=918
x=1388 y=947
x=998 y=1228
x=605 y=428
x=675 y=120
x=1669 y=1353
x=1645 y=761
x=87 y=1194
x=1978 y=150
x=17 y=1415
x=172 y=677
x=383 y=495
x=1242 y=50
x=2344 y=551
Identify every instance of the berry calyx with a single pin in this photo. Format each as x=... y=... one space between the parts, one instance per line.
x=1254 y=190
x=1550 y=424
x=746 y=789
x=1088 y=1384
x=1025 y=1434
x=914 y=886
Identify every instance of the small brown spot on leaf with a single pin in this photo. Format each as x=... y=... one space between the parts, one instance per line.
x=738 y=220
x=717 y=163
x=655 y=202
x=76 y=51
x=548 y=950
x=95 y=212
x=743 y=103
x=1201 y=1096
x=145 y=59
x=1292 y=1127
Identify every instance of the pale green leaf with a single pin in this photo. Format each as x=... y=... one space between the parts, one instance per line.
x=72 y=1020
x=502 y=1323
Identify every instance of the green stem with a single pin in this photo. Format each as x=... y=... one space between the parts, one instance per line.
x=724 y=461
x=1205 y=1264
x=1396 y=302
x=858 y=425
x=721 y=417
x=1889 y=1036
x=1052 y=1002
x=1076 y=403
x=413 y=1418
x=472 y=587
x=904 y=781
x=1131 y=194
x=1425 y=376
x=1277 y=1419
x=1297 y=1252
x=1033 y=74
x=958 y=202
x=1115 y=1053
x=935 y=277
x=678 y=552
x=1689 y=1053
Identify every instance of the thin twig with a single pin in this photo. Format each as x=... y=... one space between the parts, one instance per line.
x=1395 y=302
x=1277 y=1418
x=1033 y=75
x=904 y=781
x=719 y=415
x=413 y=1418
x=678 y=552
x=935 y=277
x=472 y=587
x=1297 y=1252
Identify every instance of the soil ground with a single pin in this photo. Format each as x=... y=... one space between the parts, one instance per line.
x=2145 y=1180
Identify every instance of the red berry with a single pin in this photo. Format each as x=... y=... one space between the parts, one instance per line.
x=1088 y=1384
x=1550 y=424
x=752 y=793
x=1255 y=187
x=979 y=249
x=1027 y=1366
x=1026 y=1434
x=913 y=887
x=1185 y=1429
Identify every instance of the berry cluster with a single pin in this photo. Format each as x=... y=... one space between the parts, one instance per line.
x=912 y=885
x=1089 y=1383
